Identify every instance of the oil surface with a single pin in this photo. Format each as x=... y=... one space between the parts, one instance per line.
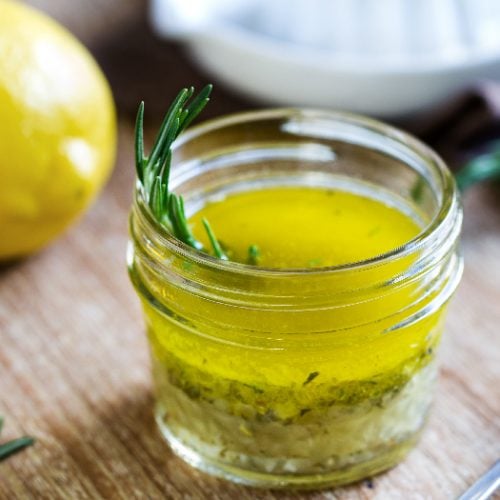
x=297 y=227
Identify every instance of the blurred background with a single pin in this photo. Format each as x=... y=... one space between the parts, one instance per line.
x=429 y=66
x=74 y=365
x=139 y=64
x=386 y=57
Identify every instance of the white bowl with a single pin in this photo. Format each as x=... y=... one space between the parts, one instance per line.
x=309 y=58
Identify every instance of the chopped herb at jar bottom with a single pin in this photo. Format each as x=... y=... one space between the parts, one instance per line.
x=310 y=377
x=287 y=404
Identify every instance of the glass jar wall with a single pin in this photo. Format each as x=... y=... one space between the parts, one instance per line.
x=298 y=377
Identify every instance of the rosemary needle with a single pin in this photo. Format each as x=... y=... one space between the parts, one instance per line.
x=213 y=241
x=482 y=168
x=13 y=446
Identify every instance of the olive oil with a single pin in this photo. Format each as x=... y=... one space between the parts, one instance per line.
x=294 y=227
x=298 y=227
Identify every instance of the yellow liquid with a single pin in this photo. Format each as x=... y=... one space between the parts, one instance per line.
x=300 y=227
x=305 y=227
x=265 y=381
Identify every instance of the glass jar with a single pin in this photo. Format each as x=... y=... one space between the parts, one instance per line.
x=297 y=377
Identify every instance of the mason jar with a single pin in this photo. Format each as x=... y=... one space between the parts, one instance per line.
x=308 y=377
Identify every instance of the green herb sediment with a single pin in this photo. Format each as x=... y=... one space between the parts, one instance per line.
x=310 y=378
x=290 y=403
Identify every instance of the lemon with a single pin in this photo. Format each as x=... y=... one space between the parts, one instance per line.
x=57 y=129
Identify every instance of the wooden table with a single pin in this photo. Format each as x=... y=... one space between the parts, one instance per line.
x=74 y=367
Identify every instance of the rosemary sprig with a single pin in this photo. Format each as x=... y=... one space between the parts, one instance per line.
x=153 y=171
x=13 y=446
x=482 y=168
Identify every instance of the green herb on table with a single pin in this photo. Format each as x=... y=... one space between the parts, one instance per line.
x=310 y=378
x=482 y=168
x=13 y=446
x=153 y=171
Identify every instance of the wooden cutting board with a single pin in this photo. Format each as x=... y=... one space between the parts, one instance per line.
x=74 y=367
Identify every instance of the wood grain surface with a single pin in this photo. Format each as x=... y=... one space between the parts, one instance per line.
x=74 y=366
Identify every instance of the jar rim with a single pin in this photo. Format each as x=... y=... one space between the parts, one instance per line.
x=448 y=188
